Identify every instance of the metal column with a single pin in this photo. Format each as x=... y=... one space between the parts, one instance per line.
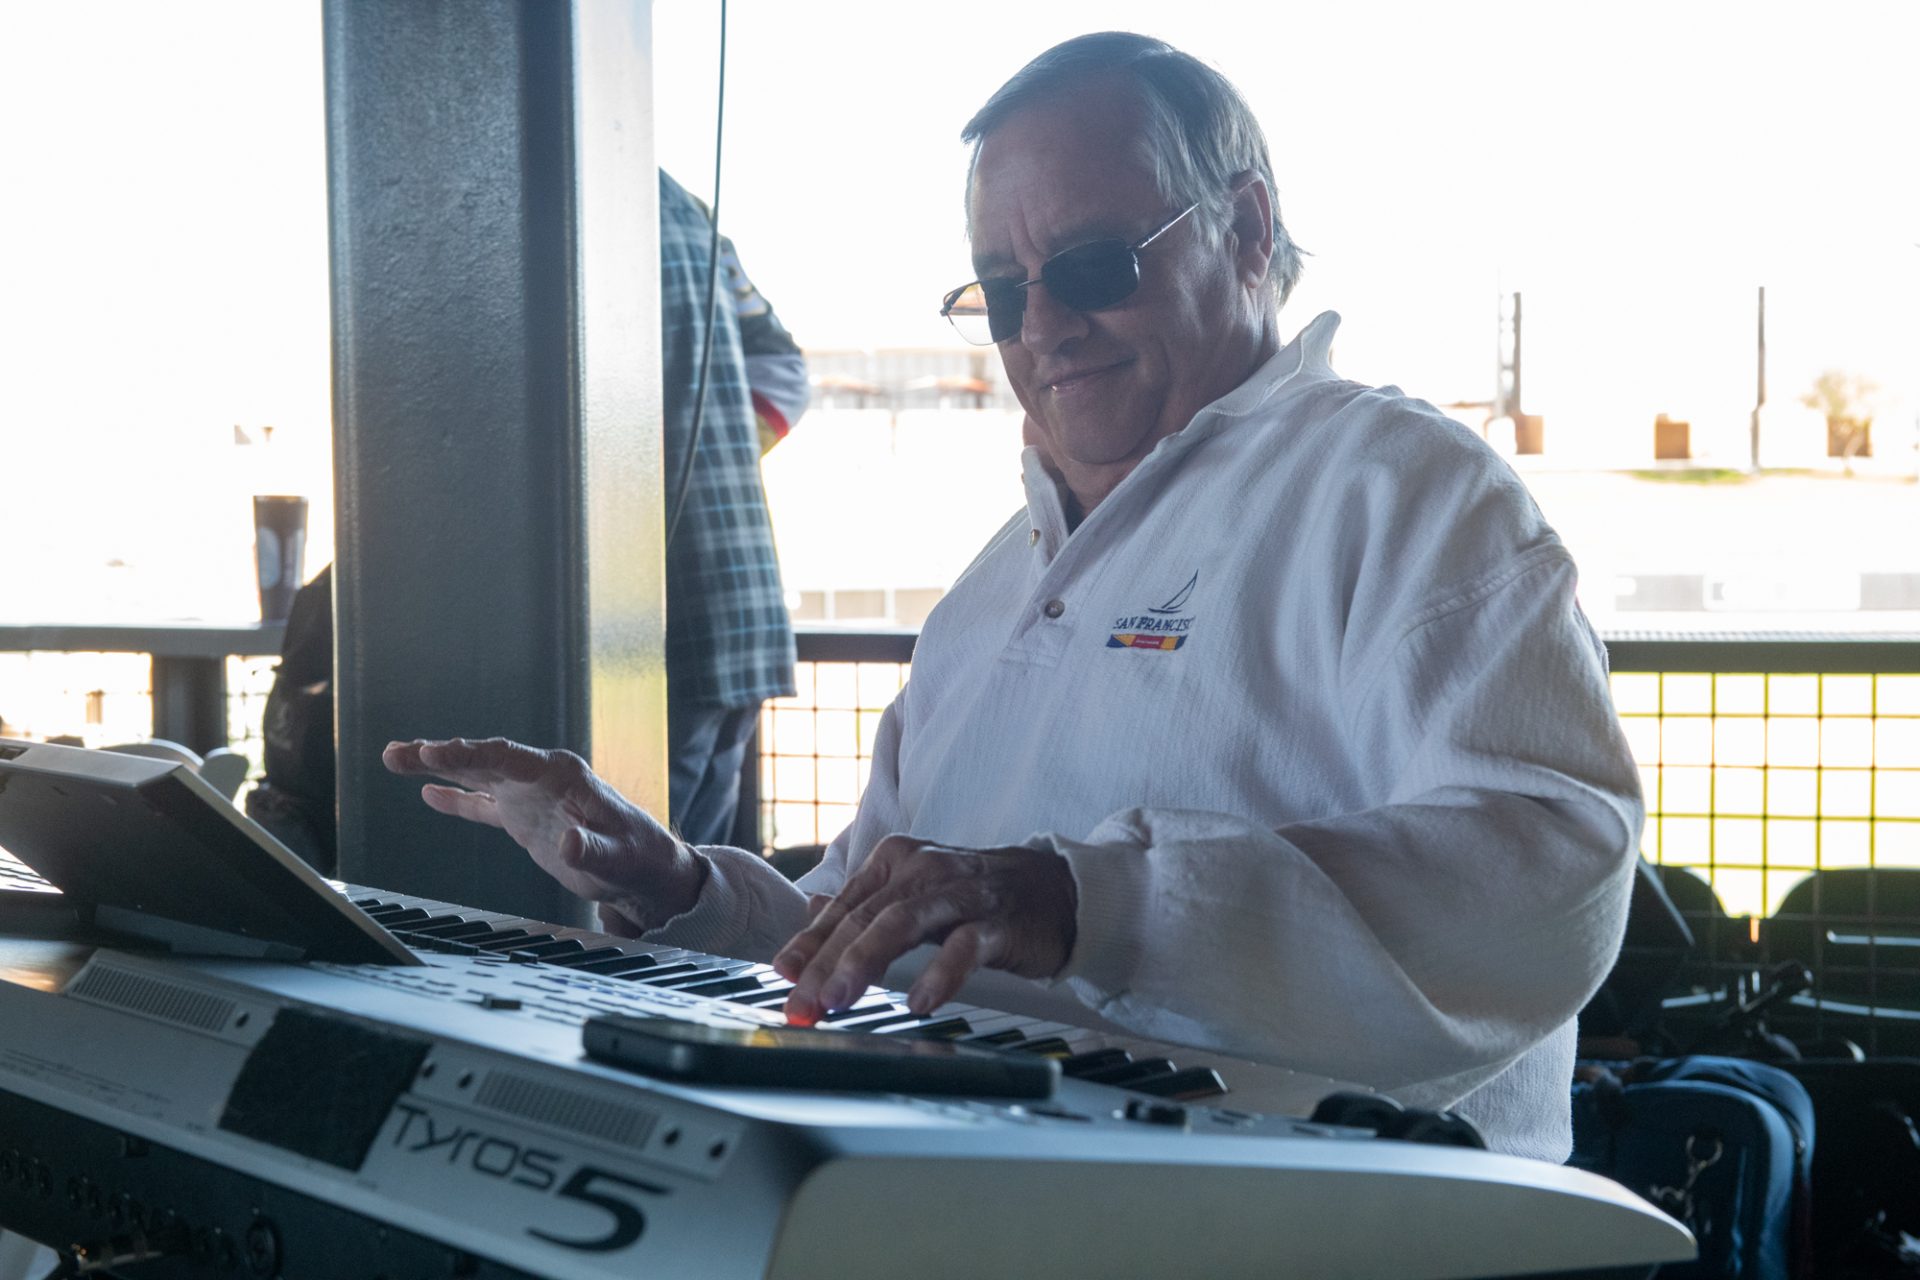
x=190 y=701
x=497 y=413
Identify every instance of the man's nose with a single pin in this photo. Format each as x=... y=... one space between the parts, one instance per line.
x=1047 y=322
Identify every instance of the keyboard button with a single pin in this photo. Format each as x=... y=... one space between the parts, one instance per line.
x=1046 y=1047
x=1189 y=1085
x=1127 y=1073
x=1080 y=1064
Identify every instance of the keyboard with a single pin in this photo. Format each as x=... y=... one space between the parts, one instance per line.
x=547 y=951
x=21 y=883
x=337 y=1120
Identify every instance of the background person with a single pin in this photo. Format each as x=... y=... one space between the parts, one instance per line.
x=729 y=638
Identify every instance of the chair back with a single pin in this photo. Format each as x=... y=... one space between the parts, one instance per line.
x=1858 y=928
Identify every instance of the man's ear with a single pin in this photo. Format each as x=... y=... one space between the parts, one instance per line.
x=1252 y=227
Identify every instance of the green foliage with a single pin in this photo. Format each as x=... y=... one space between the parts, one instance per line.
x=1693 y=475
x=1843 y=397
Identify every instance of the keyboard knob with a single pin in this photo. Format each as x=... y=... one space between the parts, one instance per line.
x=1440 y=1128
x=1168 y=1114
x=1354 y=1110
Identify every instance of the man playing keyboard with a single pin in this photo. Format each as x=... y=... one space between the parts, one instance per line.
x=1271 y=725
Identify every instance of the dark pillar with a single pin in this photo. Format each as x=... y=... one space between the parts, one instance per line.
x=496 y=413
x=190 y=701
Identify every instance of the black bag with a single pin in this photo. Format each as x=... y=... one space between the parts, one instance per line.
x=1866 y=1218
x=297 y=797
x=1722 y=1144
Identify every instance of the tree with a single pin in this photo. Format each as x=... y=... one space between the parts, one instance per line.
x=1846 y=401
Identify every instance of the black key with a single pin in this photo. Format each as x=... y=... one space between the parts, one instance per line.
x=723 y=986
x=558 y=947
x=441 y=945
x=690 y=962
x=648 y=973
x=878 y=1021
x=408 y=932
x=866 y=1005
x=1003 y=1037
x=510 y=940
x=940 y=1029
x=765 y=995
x=433 y=927
x=1189 y=1085
x=1094 y=1060
x=391 y=916
x=587 y=957
x=614 y=968
x=365 y=903
x=691 y=978
x=466 y=929
x=1046 y=1047
x=1126 y=1074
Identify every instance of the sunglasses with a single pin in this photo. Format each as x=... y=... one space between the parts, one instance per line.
x=1087 y=277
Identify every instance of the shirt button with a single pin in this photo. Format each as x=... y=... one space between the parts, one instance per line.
x=1055 y=608
x=1033 y=540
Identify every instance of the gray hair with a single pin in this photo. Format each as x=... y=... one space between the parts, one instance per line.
x=1199 y=132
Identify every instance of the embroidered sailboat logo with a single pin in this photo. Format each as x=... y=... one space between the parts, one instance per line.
x=1179 y=600
x=1161 y=629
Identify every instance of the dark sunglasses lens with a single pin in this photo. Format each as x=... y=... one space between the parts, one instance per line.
x=1092 y=276
x=1006 y=303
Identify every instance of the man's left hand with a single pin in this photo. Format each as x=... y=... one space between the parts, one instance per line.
x=1009 y=909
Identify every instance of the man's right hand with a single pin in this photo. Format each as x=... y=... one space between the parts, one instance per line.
x=579 y=830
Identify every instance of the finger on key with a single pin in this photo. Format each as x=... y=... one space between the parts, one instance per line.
x=793 y=958
x=966 y=949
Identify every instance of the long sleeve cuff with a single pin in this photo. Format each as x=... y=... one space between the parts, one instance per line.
x=1112 y=882
x=746 y=909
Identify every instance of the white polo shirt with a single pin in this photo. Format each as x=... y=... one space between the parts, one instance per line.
x=1308 y=707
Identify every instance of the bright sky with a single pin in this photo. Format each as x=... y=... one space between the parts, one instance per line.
x=1638 y=169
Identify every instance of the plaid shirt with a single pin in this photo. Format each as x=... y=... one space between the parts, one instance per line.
x=729 y=640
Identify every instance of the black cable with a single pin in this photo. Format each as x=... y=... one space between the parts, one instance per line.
x=679 y=501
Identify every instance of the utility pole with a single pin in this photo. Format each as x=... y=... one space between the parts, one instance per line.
x=1527 y=431
x=1506 y=393
x=1760 y=390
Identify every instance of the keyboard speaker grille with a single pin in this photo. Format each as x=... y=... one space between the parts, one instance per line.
x=563 y=1108
x=153 y=997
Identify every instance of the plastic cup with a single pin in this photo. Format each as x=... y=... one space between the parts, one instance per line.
x=280 y=548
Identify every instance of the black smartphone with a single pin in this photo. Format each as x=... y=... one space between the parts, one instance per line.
x=803 y=1058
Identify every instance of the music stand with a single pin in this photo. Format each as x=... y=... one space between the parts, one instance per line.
x=146 y=847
